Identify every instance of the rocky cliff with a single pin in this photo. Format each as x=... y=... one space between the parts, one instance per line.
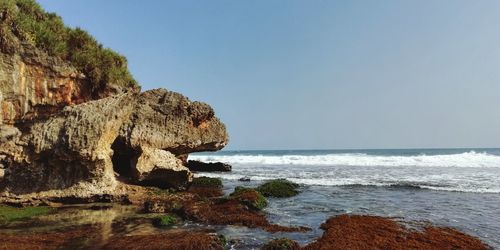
x=32 y=84
x=84 y=150
x=73 y=123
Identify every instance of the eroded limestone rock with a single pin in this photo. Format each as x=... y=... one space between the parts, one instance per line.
x=79 y=152
x=167 y=120
x=69 y=155
x=160 y=168
x=34 y=85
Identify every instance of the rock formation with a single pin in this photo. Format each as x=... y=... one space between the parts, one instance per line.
x=78 y=152
x=73 y=123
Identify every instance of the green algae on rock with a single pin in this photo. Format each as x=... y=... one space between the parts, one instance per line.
x=279 y=188
x=8 y=213
x=164 y=220
x=281 y=244
x=250 y=197
x=207 y=182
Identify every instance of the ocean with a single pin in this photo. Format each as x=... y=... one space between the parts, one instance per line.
x=459 y=188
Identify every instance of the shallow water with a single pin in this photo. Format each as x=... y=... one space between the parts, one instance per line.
x=476 y=214
x=447 y=187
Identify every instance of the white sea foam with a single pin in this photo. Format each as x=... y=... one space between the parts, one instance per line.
x=469 y=159
x=464 y=172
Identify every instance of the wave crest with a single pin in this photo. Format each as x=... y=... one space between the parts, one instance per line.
x=468 y=159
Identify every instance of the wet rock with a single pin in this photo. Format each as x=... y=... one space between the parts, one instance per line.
x=206 y=187
x=67 y=239
x=223 y=211
x=373 y=232
x=215 y=211
x=199 y=166
x=281 y=244
x=244 y=179
x=279 y=188
x=250 y=197
x=168 y=203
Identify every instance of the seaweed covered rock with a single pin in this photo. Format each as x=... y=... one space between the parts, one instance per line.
x=250 y=197
x=279 y=188
x=168 y=241
x=206 y=187
x=164 y=221
x=281 y=244
x=374 y=232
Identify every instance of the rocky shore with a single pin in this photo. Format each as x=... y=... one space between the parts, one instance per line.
x=99 y=227
x=71 y=134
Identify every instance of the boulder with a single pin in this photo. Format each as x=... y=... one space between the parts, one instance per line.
x=208 y=167
x=160 y=168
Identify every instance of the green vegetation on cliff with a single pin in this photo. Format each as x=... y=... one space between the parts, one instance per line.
x=25 y=22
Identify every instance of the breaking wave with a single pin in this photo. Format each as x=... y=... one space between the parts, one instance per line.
x=468 y=159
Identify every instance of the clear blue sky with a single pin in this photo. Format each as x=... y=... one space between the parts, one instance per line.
x=317 y=74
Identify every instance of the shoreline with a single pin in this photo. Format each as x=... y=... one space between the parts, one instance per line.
x=194 y=222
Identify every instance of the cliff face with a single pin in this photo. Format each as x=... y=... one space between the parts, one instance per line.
x=36 y=85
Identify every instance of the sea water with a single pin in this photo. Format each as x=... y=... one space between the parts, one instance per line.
x=447 y=187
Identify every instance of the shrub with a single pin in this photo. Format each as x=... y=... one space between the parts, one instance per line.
x=278 y=188
x=164 y=221
x=281 y=244
x=27 y=21
x=250 y=197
